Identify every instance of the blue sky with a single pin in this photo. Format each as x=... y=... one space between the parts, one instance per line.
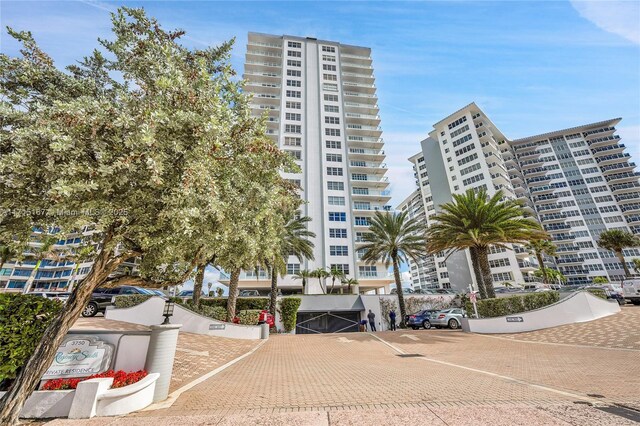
x=532 y=67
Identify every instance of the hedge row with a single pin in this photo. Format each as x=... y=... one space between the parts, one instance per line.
x=489 y=308
x=23 y=320
x=130 y=300
x=289 y=312
x=598 y=292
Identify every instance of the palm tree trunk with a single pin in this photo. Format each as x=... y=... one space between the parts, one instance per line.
x=233 y=294
x=27 y=379
x=274 y=292
x=197 y=284
x=333 y=283
x=304 y=284
x=475 y=264
x=545 y=279
x=620 y=257
x=396 y=275
x=487 y=279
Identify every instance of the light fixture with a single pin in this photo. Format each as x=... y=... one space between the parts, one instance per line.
x=168 y=311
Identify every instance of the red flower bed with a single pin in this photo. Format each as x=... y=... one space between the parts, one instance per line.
x=120 y=379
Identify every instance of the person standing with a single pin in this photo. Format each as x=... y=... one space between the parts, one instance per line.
x=372 y=320
x=392 y=320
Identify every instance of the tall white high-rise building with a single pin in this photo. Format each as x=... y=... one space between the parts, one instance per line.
x=322 y=109
x=576 y=182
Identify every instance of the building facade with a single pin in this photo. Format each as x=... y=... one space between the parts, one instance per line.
x=322 y=109
x=576 y=182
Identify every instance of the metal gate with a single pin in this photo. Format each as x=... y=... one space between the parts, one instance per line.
x=327 y=322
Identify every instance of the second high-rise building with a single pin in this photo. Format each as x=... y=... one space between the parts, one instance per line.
x=322 y=109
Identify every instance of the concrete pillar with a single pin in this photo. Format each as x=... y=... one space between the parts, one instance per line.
x=264 y=331
x=160 y=356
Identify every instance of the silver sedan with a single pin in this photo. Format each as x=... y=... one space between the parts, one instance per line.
x=451 y=318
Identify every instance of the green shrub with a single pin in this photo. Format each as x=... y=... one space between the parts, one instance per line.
x=130 y=300
x=598 y=292
x=242 y=304
x=289 y=312
x=498 y=307
x=23 y=320
x=215 y=312
x=250 y=317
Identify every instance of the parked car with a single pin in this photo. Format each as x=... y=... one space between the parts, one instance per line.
x=103 y=297
x=611 y=294
x=451 y=318
x=631 y=290
x=420 y=319
x=55 y=295
x=404 y=291
x=249 y=293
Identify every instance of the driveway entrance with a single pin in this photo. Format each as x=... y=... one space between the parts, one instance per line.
x=327 y=322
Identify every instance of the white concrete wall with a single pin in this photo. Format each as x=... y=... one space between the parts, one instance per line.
x=150 y=313
x=580 y=307
x=130 y=347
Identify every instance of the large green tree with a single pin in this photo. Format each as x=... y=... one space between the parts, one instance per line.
x=539 y=248
x=394 y=238
x=616 y=241
x=475 y=221
x=147 y=141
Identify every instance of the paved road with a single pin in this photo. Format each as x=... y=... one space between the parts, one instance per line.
x=450 y=378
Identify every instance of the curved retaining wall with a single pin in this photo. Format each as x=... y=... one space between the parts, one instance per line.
x=150 y=313
x=579 y=307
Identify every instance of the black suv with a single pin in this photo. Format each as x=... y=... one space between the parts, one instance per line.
x=103 y=297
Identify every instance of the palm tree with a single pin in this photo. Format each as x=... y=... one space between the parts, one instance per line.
x=303 y=275
x=600 y=280
x=616 y=240
x=46 y=250
x=394 y=238
x=539 y=248
x=294 y=242
x=552 y=274
x=636 y=265
x=476 y=222
x=335 y=274
x=321 y=274
x=6 y=253
x=349 y=282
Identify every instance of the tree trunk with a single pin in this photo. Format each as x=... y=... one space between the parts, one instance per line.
x=274 y=292
x=32 y=278
x=233 y=294
x=475 y=264
x=27 y=379
x=396 y=275
x=333 y=283
x=197 y=284
x=620 y=257
x=304 y=284
x=545 y=278
x=487 y=279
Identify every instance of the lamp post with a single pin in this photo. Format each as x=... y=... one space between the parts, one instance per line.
x=168 y=311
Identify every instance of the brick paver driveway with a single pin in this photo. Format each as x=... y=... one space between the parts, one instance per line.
x=449 y=378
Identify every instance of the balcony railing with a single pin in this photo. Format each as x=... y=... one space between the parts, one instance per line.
x=613 y=157
x=366 y=151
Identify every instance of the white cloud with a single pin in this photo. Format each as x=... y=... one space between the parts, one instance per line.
x=617 y=17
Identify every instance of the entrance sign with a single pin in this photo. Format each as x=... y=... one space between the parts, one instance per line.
x=80 y=356
x=217 y=326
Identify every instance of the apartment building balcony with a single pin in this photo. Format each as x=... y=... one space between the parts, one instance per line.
x=526 y=266
x=366 y=207
x=260 y=109
x=267 y=98
x=368 y=194
x=262 y=65
x=547 y=198
x=358 y=166
x=623 y=177
x=535 y=172
x=355 y=66
x=516 y=180
x=520 y=190
x=530 y=164
x=500 y=177
x=262 y=76
x=620 y=167
x=630 y=208
x=369 y=89
x=360 y=129
x=628 y=197
x=548 y=208
x=560 y=227
x=357 y=77
x=353 y=57
x=614 y=158
x=264 y=44
x=611 y=149
x=528 y=155
x=364 y=119
x=261 y=54
x=364 y=142
x=624 y=187
x=366 y=154
x=263 y=87
x=603 y=131
x=361 y=108
x=553 y=217
x=567 y=249
x=570 y=260
x=369 y=180
x=603 y=141
x=574 y=272
x=538 y=181
x=563 y=237
x=521 y=252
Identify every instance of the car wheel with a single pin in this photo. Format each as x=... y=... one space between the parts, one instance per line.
x=91 y=310
x=453 y=324
x=426 y=325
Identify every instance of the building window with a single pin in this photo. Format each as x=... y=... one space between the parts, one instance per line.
x=330 y=77
x=337 y=217
x=337 y=233
x=293 y=128
x=293 y=116
x=330 y=87
x=296 y=155
x=292 y=141
x=294 y=94
x=362 y=221
x=294 y=83
x=334 y=171
x=337 y=158
x=498 y=263
x=294 y=54
x=294 y=44
x=293 y=105
x=338 y=251
x=294 y=73
x=331 y=108
x=503 y=276
x=293 y=63
x=332 y=120
x=332 y=132
x=336 y=201
x=293 y=268
x=333 y=144
x=328 y=58
x=328 y=67
x=335 y=186
x=330 y=49
x=331 y=98
x=342 y=267
x=368 y=271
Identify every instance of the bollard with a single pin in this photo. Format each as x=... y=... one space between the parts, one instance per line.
x=264 y=331
x=160 y=356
